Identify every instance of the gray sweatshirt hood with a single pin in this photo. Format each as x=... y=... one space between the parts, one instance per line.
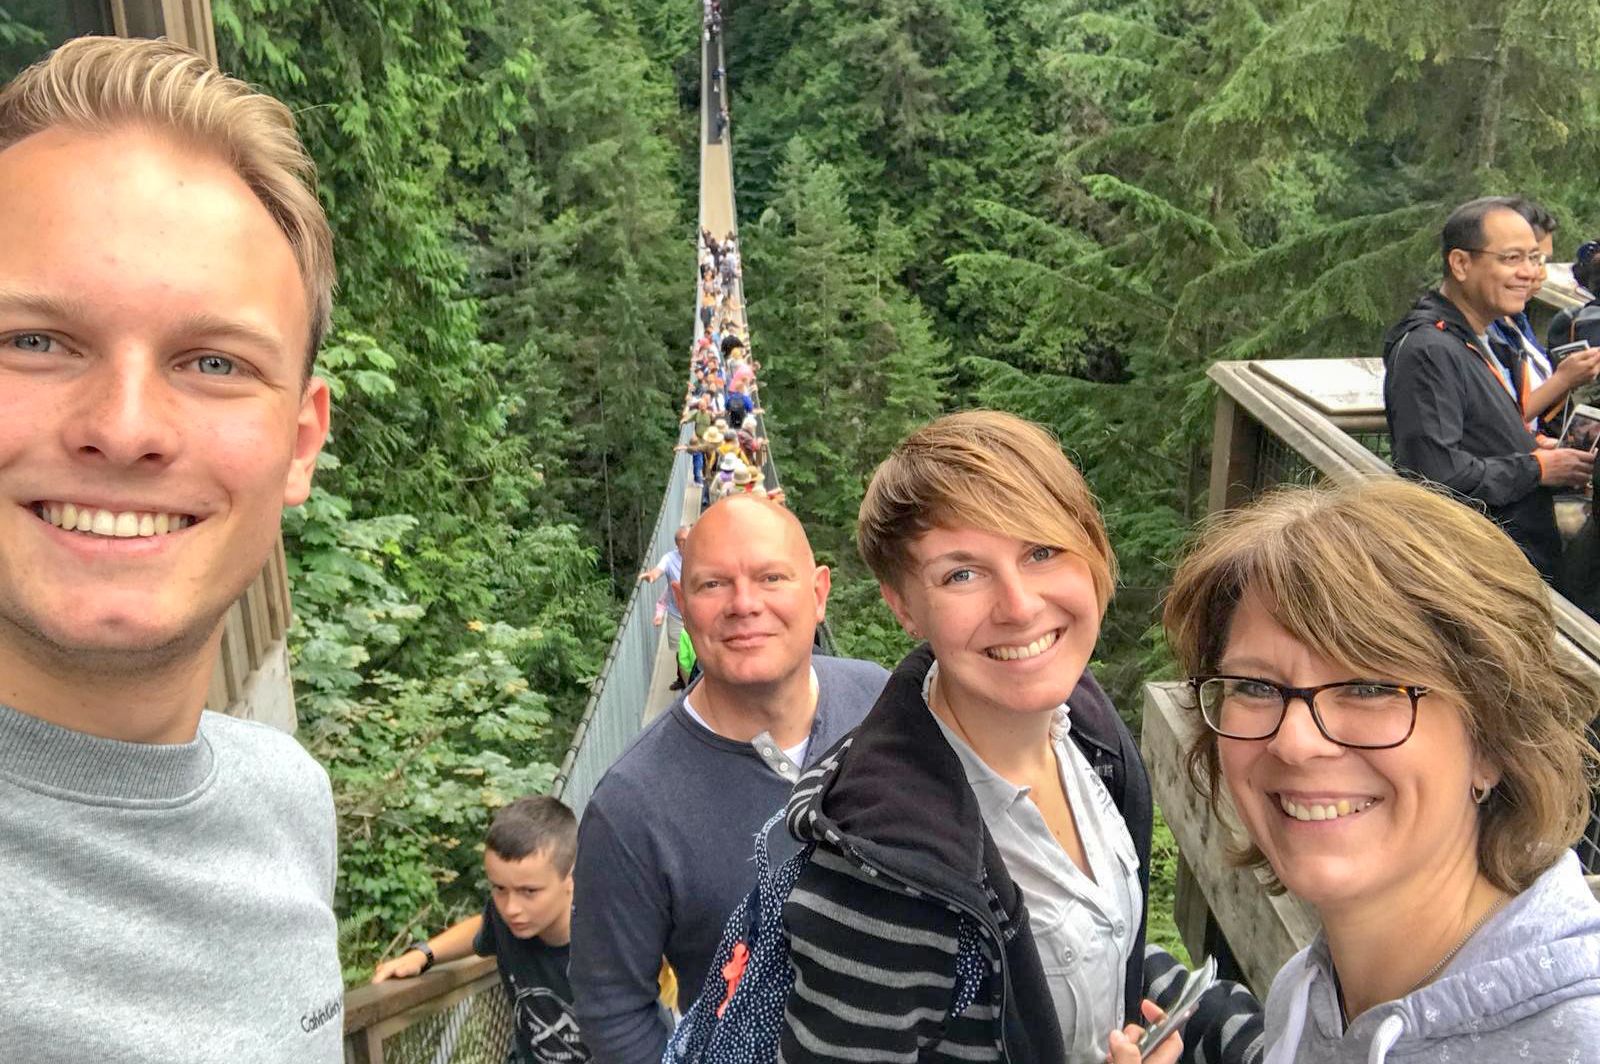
x=1527 y=986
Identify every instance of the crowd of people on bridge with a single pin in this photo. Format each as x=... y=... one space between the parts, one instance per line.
x=805 y=858
x=727 y=448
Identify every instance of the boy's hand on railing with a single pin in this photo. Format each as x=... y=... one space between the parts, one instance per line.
x=408 y=965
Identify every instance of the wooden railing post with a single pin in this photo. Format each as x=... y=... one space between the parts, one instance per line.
x=1235 y=443
x=188 y=22
x=372 y=1046
x=1217 y=902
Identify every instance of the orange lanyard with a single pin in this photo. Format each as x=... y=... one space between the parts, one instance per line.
x=1499 y=375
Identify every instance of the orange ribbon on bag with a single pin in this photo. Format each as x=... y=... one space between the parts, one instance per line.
x=732 y=973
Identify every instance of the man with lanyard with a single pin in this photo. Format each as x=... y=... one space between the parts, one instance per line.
x=1455 y=414
x=664 y=849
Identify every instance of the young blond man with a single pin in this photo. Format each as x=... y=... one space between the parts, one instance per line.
x=168 y=876
x=526 y=925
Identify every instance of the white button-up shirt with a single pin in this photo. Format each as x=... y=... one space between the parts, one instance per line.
x=1084 y=928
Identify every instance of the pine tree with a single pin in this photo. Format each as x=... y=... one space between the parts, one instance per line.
x=851 y=366
x=507 y=220
x=580 y=261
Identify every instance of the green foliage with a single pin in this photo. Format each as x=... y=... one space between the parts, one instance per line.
x=26 y=28
x=1098 y=198
x=418 y=767
x=851 y=361
x=582 y=265
x=1163 y=929
x=506 y=219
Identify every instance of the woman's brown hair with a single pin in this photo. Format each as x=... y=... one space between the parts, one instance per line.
x=1389 y=578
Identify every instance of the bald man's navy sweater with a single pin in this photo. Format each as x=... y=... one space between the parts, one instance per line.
x=665 y=855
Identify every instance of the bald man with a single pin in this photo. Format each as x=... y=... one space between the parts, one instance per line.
x=664 y=850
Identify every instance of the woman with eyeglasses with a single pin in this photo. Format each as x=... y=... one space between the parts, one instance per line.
x=1379 y=690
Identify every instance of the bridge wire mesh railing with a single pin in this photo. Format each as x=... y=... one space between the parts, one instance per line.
x=470 y=1026
x=616 y=703
x=617 y=700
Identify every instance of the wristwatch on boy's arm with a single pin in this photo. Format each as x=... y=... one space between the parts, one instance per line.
x=426 y=950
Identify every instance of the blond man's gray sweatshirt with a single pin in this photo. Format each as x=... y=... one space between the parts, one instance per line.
x=166 y=904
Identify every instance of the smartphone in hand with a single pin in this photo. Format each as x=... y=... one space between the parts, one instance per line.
x=1198 y=982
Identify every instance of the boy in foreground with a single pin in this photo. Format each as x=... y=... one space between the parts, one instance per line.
x=525 y=926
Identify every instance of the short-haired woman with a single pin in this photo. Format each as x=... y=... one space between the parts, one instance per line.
x=1386 y=701
x=992 y=769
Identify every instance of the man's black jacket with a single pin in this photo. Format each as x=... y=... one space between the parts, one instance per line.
x=1453 y=421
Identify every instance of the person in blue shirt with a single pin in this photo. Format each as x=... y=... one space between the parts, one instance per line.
x=1544 y=382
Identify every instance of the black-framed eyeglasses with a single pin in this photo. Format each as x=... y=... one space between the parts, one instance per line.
x=1512 y=259
x=1361 y=714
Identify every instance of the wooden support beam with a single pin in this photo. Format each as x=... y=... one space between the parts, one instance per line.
x=1235 y=442
x=1189 y=909
x=188 y=22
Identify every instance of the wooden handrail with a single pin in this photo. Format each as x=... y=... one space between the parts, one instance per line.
x=368 y=1006
x=1328 y=447
x=253 y=633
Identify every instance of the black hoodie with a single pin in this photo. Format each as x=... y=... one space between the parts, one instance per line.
x=902 y=845
x=1452 y=421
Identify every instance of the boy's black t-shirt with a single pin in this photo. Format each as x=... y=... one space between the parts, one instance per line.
x=535 y=978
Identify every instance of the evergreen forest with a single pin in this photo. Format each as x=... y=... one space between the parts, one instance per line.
x=1063 y=208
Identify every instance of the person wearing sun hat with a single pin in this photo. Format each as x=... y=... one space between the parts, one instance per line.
x=706 y=449
x=723 y=484
x=729 y=445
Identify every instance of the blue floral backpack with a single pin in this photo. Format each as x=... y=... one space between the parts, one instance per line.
x=738 y=1017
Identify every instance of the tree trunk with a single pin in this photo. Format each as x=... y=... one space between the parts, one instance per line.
x=605 y=481
x=1487 y=142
